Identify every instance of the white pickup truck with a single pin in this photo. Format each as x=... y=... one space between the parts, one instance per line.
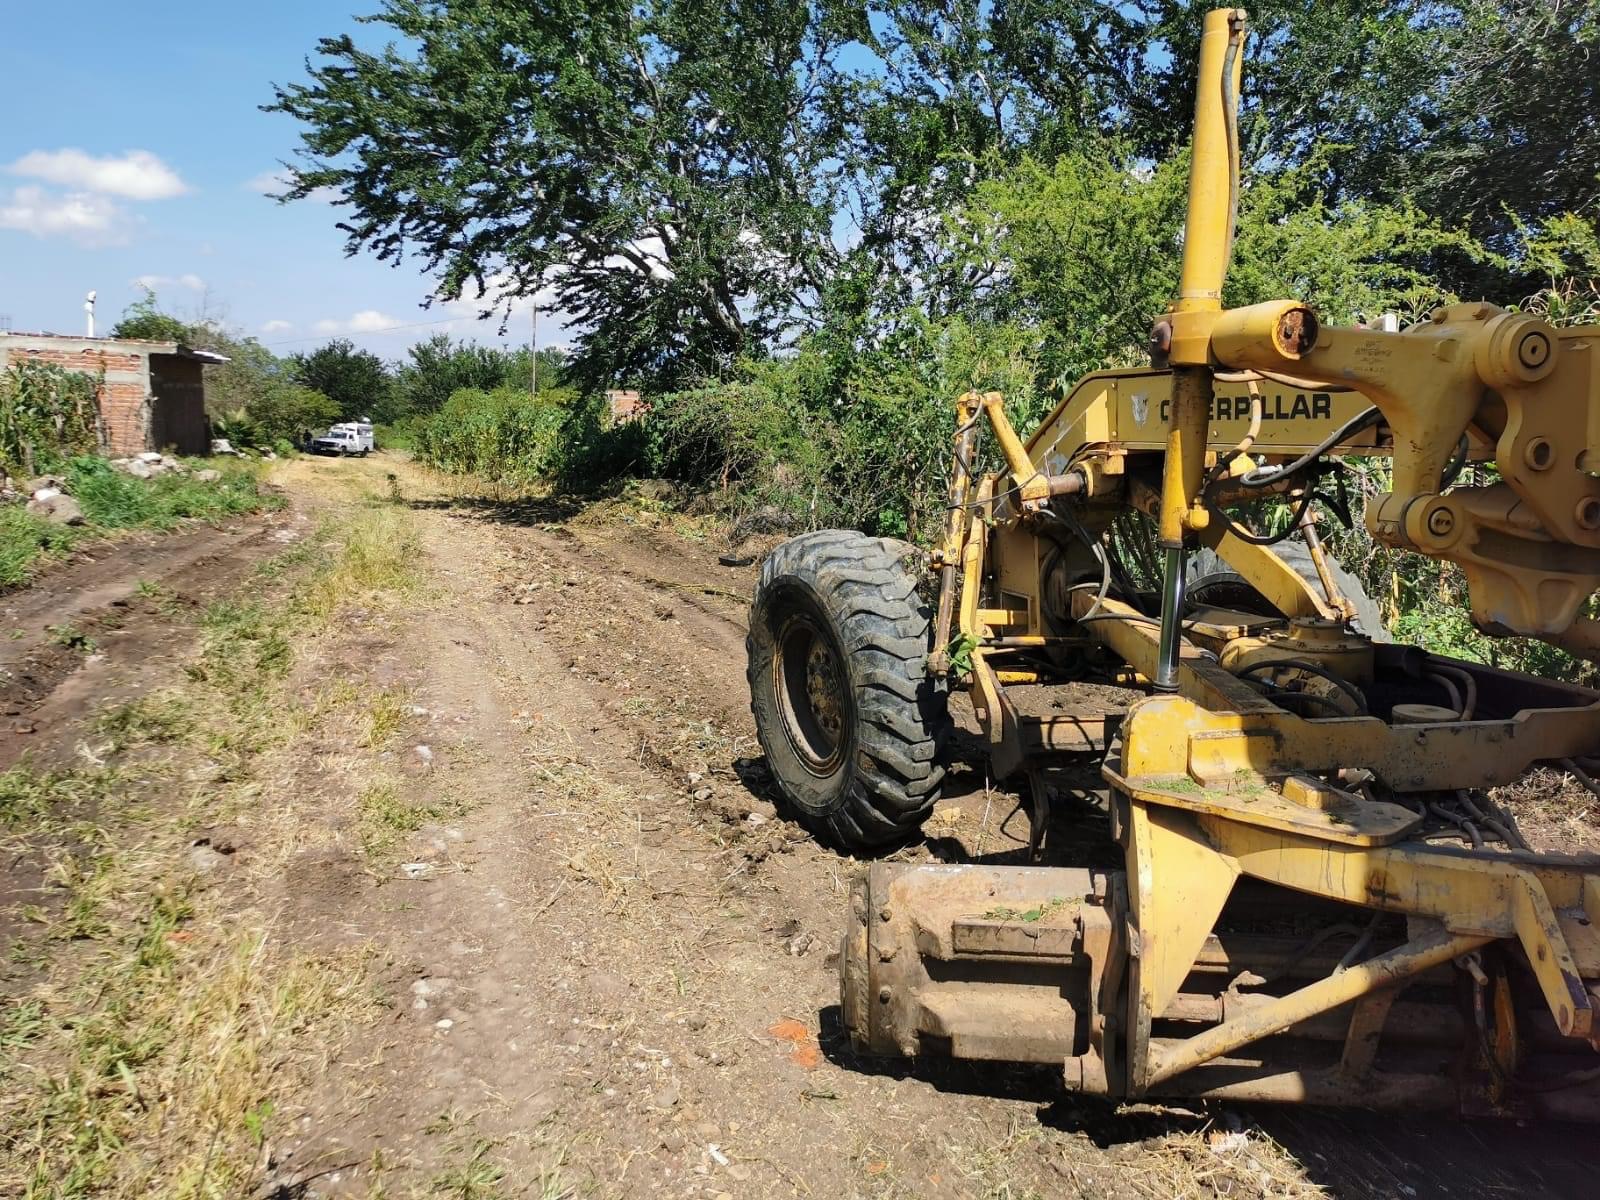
x=348 y=437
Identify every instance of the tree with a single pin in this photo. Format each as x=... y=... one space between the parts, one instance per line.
x=144 y=321
x=357 y=381
x=287 y=412
x=656 y=163
x=441 y=366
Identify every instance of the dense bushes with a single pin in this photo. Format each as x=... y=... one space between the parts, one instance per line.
x=507 y=437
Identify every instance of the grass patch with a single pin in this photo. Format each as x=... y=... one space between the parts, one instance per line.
x=375 y=565
x=35 y=800
x=70 y=637
x=473 y=1176
x=386 y=816
x=149 y=719
x=27 y=540
x=112 y=501
x=386 y=713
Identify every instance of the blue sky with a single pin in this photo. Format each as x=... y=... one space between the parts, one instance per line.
x=133 y=147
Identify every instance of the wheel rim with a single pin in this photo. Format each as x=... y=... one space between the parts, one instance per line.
x=811 y=695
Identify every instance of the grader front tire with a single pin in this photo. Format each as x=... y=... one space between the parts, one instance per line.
x=845 y=711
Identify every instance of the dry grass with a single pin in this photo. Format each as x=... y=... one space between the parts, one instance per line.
x=1554 y=810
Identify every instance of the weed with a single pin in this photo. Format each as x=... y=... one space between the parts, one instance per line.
x=385 y=816
x=475 y=1177
x=21 y=1024
x=386 y=712
x=146 y=720
x=255 y=1121
x=162 y=598
x=35 y=799
x=71 y=638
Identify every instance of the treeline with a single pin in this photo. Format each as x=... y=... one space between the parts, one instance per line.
x=259 y=398
x=802 y=229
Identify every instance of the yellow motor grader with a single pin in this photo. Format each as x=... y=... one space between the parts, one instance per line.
x=1308 y=893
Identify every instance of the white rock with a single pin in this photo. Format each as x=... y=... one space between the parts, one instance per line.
x=47 y=493
x=149 y=456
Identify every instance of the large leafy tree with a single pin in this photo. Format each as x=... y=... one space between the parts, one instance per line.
x=658 y=163
x=357 y=381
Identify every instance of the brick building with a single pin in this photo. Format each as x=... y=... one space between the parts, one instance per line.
x=152 y=394
x=626 y=406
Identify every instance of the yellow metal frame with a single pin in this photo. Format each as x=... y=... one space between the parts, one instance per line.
x=1216 y=783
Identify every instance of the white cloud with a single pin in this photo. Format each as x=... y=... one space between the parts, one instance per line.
x=156 y=283
x=372 y=321
x=276 y=326
x=496 y=301
x=652 y=250
x=134 y=175
x=85 y=218
x=271 y=183
x=368 y=320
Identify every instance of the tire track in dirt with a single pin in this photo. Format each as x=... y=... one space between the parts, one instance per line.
x=98 y=630
x=590 y=967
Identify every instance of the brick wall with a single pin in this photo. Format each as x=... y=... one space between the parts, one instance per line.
x=80 y=360
x=122 y=409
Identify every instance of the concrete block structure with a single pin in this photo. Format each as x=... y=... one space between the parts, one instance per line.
x=152 y=394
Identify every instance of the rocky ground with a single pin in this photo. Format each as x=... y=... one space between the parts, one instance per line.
x=503 y=822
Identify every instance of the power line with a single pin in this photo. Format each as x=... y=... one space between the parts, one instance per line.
x=317 y=337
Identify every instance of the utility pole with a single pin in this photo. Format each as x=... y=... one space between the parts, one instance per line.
x=533 y=350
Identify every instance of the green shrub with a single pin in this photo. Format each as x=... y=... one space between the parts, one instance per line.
x=507 y=437
x=46 y=414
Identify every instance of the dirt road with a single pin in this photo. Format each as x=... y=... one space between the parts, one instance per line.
x=596 y=961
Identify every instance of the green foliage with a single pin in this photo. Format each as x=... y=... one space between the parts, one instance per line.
x=502 y=436
x=440 y=367
x=356 y=381
x=26 y=539
x=111 y=500
x=46 y=414
x=283 y=412
x=506 y=437
x=655 y=162
x=144 y=321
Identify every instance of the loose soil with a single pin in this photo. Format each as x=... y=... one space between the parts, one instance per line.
x=603 y=961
